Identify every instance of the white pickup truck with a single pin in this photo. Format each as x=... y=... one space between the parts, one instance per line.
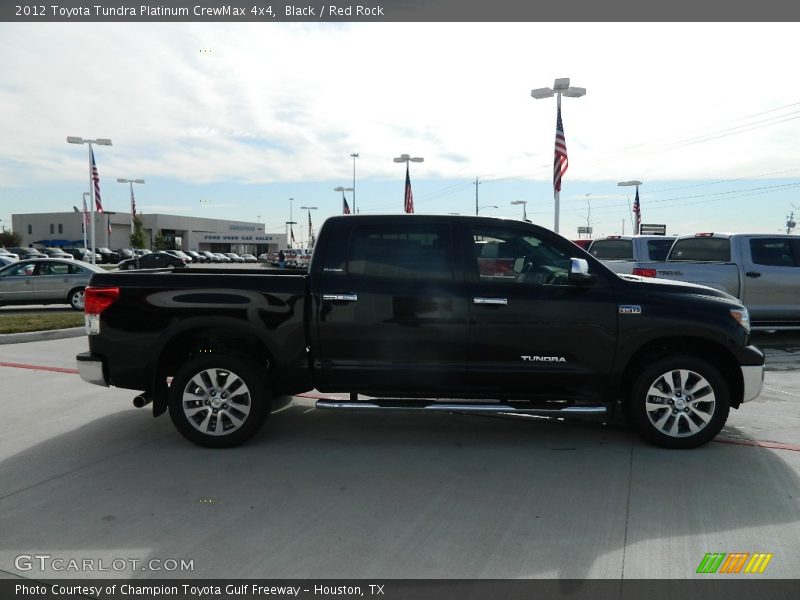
x=620 y=253
x=760 y=269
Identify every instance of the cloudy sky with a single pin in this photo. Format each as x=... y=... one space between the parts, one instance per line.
x=231 y=120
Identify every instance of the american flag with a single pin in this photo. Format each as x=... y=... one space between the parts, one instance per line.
x=133 y=205
x=96 y=179
x=345 y=205
x=310 y=231
x=85 y=212
x=637 y=210
x=291 y=231
x=409 y=200
x=560 y=163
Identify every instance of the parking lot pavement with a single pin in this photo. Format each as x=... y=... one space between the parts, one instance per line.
x=321 y=494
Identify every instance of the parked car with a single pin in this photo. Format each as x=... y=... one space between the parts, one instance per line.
x=107 y=255
x=395 y=307
x=760 y=269
x=141 y=251
x=234 y=257
x=222 y=258
x=249 y=258
x=28 y=253
x=264 y=258
x=180 y=254
x=83 y=254
x=57 y=253
x=210 y=256
x=196 y=256
x=46 y=281
x=620 y=252
x=154 y=260
x=9 y=255
x=124 y=254
x=6 y=260
x=583 y=243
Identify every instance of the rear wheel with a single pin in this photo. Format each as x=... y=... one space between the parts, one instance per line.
x=679 y=402
x=76 y=298
x=218 y=401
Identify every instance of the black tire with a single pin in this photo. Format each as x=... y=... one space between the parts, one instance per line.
x=679 y=402
x=207 y=412
x=75 y=298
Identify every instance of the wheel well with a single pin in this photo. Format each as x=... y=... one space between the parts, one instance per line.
x=709 y=351
x=202 y=342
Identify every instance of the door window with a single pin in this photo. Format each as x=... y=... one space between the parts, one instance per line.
x=518 y=257
x=773 y=252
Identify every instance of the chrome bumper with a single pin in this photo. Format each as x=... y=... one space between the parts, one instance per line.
x=753 y=378
x=90 y=369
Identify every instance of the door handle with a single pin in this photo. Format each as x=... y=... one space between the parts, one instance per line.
x=340 y=297
x=753 y=274
x=490 y=301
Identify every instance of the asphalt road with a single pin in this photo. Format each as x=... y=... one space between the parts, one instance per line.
x=319 y=494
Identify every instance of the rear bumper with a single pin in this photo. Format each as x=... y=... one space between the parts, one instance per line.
x=91 y=369
x=753 y=378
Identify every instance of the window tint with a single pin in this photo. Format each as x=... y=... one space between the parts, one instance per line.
x=53 y=269
x=658 y=249
x=24 y=269
x=502 y=255
x=703 y=249
x=612 y=249
x=773 y=252
x=404 y=251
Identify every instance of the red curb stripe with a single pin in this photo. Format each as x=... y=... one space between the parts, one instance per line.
x=759 y=444
x=39 y=368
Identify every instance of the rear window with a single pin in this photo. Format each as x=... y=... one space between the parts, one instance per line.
x=612 y=249
x=705 y=249
x=657 y=250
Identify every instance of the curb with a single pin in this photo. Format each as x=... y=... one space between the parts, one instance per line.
x=39 y=336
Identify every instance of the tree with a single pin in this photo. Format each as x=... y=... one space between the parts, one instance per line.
x=9 y=239
x=160 y=242
x=137 y=237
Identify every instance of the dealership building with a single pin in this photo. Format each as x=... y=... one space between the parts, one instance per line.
x=113 y=230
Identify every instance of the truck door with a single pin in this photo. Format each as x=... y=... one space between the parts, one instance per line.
x=390 y=312
x=771 y=279
x=535 y=334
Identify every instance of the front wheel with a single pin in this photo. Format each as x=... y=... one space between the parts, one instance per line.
x=679 y=402
x=218 y=401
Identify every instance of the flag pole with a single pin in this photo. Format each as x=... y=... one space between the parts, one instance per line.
x=556 y=191
x=91 y=191
x=132 y=208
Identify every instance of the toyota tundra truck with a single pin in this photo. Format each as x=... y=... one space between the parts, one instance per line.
x=431 y=313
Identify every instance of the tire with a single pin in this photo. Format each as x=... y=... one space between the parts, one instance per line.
x=202 y=410
x=75 y=298
x=679 y=402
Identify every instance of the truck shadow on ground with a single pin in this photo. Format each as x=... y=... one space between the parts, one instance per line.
x=392 y=495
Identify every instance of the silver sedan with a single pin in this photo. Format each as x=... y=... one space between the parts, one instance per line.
x=46 y=281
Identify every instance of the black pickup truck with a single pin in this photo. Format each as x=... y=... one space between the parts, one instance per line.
x=434 y=313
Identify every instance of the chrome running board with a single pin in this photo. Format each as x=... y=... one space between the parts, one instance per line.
x=458 y=407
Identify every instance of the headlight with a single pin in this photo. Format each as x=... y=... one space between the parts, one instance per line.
x=742 y=317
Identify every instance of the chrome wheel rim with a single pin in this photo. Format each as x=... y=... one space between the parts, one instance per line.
x=680 y=403
x=216 y=401
x=77 y=299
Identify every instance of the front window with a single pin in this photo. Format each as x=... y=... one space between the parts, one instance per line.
x=516 y=256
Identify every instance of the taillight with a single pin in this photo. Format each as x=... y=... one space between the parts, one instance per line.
x=97 y=299
x=644 y=272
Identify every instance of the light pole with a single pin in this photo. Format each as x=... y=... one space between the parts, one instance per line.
x=524 y=208
x=632 y=183
x=289 y=224
x=485 y=206
x=100 y=142
x=344 y=200
x=408 y=201
x=354 y=156
x=133 y=202
x=310 y=235
x=560 y=87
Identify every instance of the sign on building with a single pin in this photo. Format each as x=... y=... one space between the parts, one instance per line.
x=651 y=229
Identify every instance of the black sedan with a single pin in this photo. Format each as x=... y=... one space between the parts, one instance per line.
x=156 y=260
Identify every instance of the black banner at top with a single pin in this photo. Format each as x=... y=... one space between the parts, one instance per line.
x=378 y=11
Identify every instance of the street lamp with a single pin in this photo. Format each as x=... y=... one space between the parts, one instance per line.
x=289 y=223
x=100 y=142
x=560 y=88
x=310 y=235
x=524 y=207
x=408 y=201
x=632 y=183
x=133 y=202
x=487 y=206
x=344 y=200
x=354 y=156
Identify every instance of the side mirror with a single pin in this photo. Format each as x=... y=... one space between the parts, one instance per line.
x=579 y=271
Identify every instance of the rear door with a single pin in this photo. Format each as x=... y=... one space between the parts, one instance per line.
x=16 y=283
x=534 y=334
x=390 y=312
x=771 y=268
